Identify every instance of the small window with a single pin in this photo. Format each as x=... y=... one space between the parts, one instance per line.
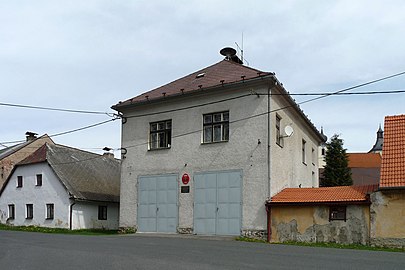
x=19 y=181
x=278 y=132
x=102 y=212
x=30 y=211
x=11 y=211
x=337 y=213
x=216 y=127
x=323 y=151
x=313 y=156
x=160 y=134
x=304 y=160
x=50 y=209
x=39 y=180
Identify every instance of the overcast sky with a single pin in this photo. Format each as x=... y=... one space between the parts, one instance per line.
x=88 y=55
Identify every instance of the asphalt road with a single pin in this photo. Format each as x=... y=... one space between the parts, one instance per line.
x=24 y=250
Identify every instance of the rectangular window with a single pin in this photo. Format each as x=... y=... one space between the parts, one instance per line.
x=11 y=211
x=19 y=181
x=216 y=127
x=102 y=212
x=160 y=134
x=304 y=160
x=278 y=132
x=337 y=213
x=50 y=208
x=39 y=180
x=313 y=156
x=30 y=211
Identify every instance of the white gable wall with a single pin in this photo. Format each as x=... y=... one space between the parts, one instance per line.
x=51 y=192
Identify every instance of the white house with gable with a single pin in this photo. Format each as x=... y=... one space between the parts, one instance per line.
x=62 y=187
x=203 y=153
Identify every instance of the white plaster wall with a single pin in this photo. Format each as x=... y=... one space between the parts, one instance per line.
x=51 y=191
x=188 y=155
x=85 y=216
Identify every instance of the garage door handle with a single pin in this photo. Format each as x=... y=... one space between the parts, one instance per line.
x=217 y=209
x=157 y=209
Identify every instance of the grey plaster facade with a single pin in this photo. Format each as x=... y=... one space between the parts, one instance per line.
x=266 y=167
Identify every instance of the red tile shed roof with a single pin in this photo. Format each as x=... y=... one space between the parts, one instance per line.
x=393 y=159
x=364 y=160
x=223 y=72
x=340 y=194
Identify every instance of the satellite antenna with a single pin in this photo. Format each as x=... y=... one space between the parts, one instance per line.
x=288 y=131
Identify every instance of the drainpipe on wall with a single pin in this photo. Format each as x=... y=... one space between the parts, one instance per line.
x=268 y=142
x=71 y=218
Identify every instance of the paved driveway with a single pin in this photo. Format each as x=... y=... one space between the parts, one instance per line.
x=24 y=250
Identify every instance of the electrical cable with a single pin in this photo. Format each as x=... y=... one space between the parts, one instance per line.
x=52 y=109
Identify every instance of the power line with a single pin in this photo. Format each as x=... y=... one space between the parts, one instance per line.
x=54 y=109
x=69 y=131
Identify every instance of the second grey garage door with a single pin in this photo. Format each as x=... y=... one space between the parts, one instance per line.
x=218 y=203
x=157 y=207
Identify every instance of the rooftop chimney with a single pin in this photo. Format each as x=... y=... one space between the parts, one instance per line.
x=30 y=136
x=107 y=152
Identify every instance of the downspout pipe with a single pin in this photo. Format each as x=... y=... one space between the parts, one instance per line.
x=71 y=216
x=268 y=142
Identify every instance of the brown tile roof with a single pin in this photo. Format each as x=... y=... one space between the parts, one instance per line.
x=393 y=159
x=341 y=194
x=364 y=160
x=222 y=73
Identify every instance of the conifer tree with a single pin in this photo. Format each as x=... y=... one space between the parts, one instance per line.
x=336 y=171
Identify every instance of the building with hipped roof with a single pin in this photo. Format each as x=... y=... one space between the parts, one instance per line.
x=365 y=168
x=62 y=187
x=203 y=153
x=11 y=155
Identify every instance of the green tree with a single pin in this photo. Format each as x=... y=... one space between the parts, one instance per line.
x=336 y=171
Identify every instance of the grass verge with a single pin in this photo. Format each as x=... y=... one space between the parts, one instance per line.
x=325 y=245
x=57 y=230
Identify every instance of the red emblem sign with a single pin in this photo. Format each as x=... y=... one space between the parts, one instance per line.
x=185 y=179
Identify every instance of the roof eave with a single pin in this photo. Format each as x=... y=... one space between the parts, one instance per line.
x=359 y=202
x=121 y=107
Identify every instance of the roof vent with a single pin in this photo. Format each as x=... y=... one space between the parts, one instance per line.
x=30 y=136
x=230 y=55
x=200 y=75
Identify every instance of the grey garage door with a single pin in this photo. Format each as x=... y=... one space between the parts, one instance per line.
x=218 y=203
x=157 y=208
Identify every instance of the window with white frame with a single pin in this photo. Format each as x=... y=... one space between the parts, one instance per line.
x=11 y=211
x=50 y=210
x=102 y=212
x=160 y=134
x=304 y=144
x=39 y=180
x=29 y=211
x=216 y=127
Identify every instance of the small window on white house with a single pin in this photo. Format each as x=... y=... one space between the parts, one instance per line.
x=216 y=127
x=102 y=212
x=39 y=180
x=29 y=211
x=19 y=181
x=50 y=210
x=11 y=211
x=313 y=156
x=160 y=134
x=304 y=159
